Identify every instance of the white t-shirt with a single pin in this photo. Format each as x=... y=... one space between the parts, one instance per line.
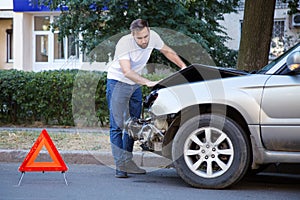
x=127 y=49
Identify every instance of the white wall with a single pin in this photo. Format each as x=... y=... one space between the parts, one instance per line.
x=6 y=4
x=232 y=23
x=23 y=41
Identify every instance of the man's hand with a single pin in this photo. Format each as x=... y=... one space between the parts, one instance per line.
x=151 y=83
x=135 y=77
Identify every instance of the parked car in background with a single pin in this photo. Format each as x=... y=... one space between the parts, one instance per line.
x=216 y=123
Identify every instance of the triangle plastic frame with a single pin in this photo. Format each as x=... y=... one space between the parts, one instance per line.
x=29 y=163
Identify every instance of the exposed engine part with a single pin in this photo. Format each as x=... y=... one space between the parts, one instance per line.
x=146 y=132
x=161 y=124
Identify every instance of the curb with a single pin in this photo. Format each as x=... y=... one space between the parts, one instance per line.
x=143 y=159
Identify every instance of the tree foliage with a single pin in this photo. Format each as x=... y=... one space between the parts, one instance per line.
x=96 y=21
x=293 y=5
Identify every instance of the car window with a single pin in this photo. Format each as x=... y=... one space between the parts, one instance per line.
x=270 y=65
x=284 y=70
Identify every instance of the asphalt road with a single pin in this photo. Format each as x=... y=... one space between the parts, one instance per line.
x=98 y=182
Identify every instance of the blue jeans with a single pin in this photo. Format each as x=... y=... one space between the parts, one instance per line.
x=124 y=101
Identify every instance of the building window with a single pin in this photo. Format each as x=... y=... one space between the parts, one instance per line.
x=42 y=23
x=42 y=34
x=59 y=48
x=73 y=49
x=280 y=5
x=66 y=48
x=48 y=47
x=9 y=45
x=278 y=28
x=277 y=42
x=41 y=48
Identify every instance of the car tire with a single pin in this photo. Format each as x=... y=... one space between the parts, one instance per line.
x=216 y=163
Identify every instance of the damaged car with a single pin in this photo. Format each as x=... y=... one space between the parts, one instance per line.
x=216 y=124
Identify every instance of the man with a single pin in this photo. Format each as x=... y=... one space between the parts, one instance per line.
x=124 y=94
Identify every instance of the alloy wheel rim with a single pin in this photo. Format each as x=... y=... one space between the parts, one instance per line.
x=208 y=152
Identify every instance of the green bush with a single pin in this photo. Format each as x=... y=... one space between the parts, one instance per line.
x=13 y=93
x=59 y=97
x=47 y=96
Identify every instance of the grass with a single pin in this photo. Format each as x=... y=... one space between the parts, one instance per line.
x=24 y=140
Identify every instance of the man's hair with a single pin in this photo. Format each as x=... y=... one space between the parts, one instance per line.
x=138 y=25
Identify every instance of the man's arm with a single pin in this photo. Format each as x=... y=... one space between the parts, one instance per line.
x=172 y=56
x=132 y=75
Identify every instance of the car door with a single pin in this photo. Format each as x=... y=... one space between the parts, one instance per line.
x=280 y=113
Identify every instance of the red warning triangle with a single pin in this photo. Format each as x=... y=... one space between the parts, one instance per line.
x=29 y=163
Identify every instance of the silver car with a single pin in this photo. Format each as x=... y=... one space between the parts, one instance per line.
x=216 y=124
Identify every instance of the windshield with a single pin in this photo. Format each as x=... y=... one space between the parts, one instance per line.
x=274 y=62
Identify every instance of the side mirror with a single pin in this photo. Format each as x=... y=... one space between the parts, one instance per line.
x=293 y=61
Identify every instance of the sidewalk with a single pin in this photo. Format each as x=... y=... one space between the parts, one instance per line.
x=101 y=157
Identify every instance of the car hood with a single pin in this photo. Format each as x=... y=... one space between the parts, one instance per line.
x=197 y=73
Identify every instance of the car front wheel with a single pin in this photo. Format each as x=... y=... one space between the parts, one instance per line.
x=211 y=151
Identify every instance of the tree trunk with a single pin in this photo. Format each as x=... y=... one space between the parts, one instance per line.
x=256 y=34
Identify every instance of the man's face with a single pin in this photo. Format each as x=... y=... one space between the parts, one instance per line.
x=142 y=37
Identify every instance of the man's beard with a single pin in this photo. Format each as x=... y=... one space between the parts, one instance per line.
x=144 y=46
